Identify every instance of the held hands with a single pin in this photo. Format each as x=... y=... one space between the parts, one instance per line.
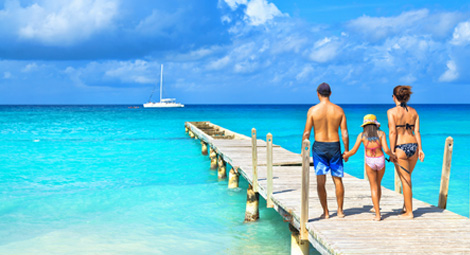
x=346 y=156
x=393 y=158
x=421 y=155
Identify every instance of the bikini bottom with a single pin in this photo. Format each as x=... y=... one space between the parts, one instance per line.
x=376 y=163
x=408 y=148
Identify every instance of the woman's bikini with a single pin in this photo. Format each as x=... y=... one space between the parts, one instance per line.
x=408 y=148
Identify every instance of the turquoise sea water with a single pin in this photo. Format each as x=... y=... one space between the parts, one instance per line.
x=113 y=180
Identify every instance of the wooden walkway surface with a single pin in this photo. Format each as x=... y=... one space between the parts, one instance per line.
x=432 y=231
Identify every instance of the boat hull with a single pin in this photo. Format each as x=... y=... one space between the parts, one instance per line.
x=163 y=105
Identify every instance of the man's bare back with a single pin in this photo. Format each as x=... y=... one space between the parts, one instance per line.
x=326 y=118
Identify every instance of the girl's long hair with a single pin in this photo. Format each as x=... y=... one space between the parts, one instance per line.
x=370 y=132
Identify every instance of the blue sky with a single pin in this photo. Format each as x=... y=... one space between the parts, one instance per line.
x=232 y=51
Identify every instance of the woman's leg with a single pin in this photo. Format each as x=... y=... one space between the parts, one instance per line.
x=405 y=176
x=372 y=174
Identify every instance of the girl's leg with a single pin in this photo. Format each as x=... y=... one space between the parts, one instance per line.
x=372 y=174
x=380 y=176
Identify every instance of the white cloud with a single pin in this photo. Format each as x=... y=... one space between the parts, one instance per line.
x=260 y=11
x=257 y=12
x=304 y=74
x=30 y=68
x=60 y=23
x=6 y=75
x=451 y=74
x=219 y=63
x=325 y=50
x=233 y=4
x=139 y=71
x=461 y=34
x=381 y=27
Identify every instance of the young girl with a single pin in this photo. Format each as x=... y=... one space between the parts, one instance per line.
x=374 y=140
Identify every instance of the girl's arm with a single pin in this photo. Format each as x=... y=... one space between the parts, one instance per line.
x=418 y=139
x=392 y=130
x=383 y=140
x=355 y=148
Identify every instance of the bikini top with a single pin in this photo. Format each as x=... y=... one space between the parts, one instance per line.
x=406 y=125
x=372 y=149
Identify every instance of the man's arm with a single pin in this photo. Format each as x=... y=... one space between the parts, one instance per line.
x=344 y=133
x=308 y=126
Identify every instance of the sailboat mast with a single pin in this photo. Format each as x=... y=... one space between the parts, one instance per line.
x=161 y=82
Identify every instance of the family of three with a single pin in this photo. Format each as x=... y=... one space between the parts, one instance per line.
x=327 y=119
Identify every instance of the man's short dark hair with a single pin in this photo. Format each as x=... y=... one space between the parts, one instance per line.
x=324 y=89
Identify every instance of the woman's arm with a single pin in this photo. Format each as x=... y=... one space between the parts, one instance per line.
x=353 y=151
x=418 y=139
x=392 y=130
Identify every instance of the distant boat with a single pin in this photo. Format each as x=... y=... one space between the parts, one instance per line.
x=164 y=102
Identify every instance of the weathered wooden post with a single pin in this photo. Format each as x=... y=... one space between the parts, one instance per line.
x=254 y=159
x=233 y=178
x=222 y=172
x=269 y=166
x=252 y=204
x=252 y=195
x=446 y=172
x=203 y=148
x=213 y=157
x=305 y=195
x=398 y=187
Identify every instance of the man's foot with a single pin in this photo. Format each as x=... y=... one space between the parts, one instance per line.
x=377 y=218
x=340 y=214
x=325 y=216
x=406 y=216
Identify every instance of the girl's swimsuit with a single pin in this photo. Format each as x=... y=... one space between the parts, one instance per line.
x=376 y=163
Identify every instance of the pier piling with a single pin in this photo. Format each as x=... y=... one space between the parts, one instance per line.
x=213 y=157
x=252 y=205
x=297 y=245
x=233 y=177
x=203 y=148
x=222 y=171
x=448 y=148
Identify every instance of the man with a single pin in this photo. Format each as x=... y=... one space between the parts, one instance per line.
x=326 y=118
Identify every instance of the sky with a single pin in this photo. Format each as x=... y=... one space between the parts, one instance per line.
x=233 y=51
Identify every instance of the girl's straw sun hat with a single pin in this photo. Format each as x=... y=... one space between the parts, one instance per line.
x=370 y=119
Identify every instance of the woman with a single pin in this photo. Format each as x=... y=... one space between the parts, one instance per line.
x=405 y=141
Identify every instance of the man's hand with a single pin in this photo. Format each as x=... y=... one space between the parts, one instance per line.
x=345 y=156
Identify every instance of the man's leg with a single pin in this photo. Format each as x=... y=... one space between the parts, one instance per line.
x=321 y=190
x=339 y=194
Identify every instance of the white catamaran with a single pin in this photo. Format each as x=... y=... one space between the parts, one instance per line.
x=164 y=102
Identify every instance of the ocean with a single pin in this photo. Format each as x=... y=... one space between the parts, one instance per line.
x=115 y=180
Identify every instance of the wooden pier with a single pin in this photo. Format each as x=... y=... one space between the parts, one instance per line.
x=432 y=231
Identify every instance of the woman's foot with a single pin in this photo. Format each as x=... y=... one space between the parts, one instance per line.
x=340 y=214
x=406 y=216
x=378 y=218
